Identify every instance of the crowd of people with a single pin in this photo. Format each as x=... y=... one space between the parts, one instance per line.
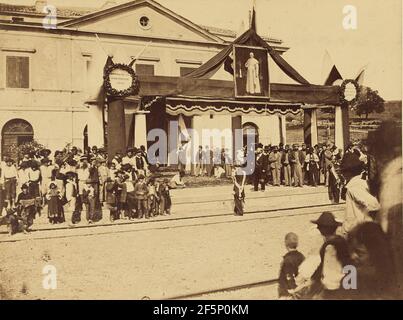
x=71 y=181
x=362 y=254
x=299 y=165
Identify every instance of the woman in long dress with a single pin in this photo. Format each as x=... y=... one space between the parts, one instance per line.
x=55 y=207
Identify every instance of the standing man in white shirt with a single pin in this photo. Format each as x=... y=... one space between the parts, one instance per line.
x=71 y=198
x=8 y=179
x=129 y=158
x=361 y=205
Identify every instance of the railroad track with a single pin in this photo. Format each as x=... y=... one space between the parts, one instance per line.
x=199 y=221
x=249 y=197
x=201 y=294
x=129 y=222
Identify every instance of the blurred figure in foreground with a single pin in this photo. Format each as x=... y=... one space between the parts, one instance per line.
x=385 y=182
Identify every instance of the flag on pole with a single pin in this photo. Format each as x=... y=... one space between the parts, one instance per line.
x=139 y=54
x=329 y=77
x=241 y=29
x=99 y=43
x=253 y=18
x=361 y=75
x=182 y=128
x=327 y=65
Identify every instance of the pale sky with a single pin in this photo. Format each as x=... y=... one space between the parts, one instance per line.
x=309 y=28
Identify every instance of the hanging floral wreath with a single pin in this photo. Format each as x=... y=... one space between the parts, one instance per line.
x=342 y=92
x=132 y=90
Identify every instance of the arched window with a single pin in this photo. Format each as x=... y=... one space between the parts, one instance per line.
x=14 y=133
x=249 y=128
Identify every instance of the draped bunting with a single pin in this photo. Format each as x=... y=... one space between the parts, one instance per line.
x=250 y=38
x=191 y=106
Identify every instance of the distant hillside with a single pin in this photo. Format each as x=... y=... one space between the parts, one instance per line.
x=393 y=111
x=359 y=126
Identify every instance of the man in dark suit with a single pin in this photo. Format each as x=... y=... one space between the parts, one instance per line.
x=260 y=168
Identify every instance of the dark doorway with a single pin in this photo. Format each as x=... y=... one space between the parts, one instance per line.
x=249 y=128
x=15 y=133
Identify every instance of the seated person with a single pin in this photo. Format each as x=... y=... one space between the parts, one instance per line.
x=177 y=181
x=26 y=208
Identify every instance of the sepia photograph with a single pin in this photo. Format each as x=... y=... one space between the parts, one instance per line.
x=181 y=150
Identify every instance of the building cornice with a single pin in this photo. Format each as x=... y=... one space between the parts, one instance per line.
x=75 y=32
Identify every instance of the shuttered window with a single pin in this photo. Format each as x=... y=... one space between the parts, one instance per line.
x=145 y=69
x=17 y=72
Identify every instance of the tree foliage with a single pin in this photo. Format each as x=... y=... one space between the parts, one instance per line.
x=17 y=151
x=369 y=101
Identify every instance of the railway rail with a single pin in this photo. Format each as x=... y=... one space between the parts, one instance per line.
x=201 y=294
x=199 y=221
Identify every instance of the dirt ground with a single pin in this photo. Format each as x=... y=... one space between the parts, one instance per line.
x=160 y=263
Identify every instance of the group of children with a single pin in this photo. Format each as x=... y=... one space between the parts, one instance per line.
x=130 y=199
x=126 y=194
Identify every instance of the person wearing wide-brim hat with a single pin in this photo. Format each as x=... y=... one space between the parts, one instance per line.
x=285 y=165
x=141 y=193
x=275 y=166
x=361 y=205
x=8 y=179
x=23 y=173
x=296 y=162
x=261 y=164
x=165 y=197
x=9 y=160
x=129 y=157
x=45 y=153
x=89 y=199
x=334 y=256
x=312 y=166
x=328 y=221
x=26 y=206
x=130 y=149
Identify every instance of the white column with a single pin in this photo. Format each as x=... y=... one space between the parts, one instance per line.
x=283 y=129
x=140 y=130
x=197 y=126
x=95 y=126
x=274 y=129
x=314 y=128
x=338 y=128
